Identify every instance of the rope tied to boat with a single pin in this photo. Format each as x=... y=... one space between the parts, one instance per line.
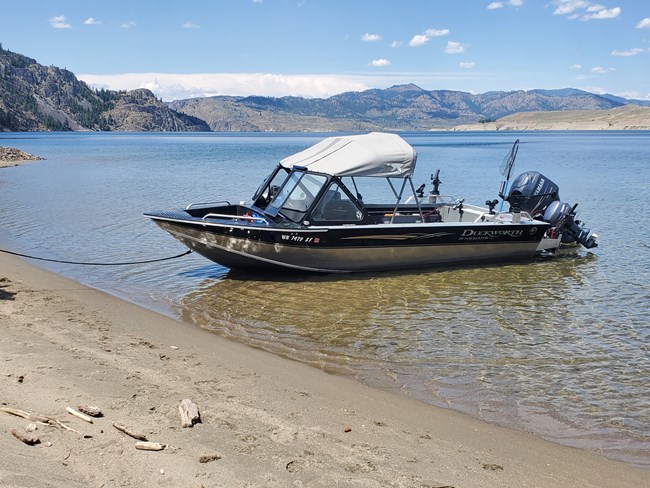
x=84 y=263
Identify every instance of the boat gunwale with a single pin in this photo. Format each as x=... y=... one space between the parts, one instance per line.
x=325 y=228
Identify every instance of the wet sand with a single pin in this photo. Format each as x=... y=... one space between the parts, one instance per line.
x=266 y=420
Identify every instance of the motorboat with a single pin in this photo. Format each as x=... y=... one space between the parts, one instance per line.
x=309 y=215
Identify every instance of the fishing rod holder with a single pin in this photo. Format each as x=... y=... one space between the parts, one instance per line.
x=435 y=185
x=491 y=204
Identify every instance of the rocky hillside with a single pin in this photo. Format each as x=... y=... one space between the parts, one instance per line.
x=140 y=110
x=402 y=107
x=260 y=114
x=34 y=97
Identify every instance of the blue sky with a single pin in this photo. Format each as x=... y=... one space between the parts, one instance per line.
x=318 y=48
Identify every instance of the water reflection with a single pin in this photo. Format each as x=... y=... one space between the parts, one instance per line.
x=337 y=310
x=508 y=343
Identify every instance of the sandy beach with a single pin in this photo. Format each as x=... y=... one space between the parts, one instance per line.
x=265 y=420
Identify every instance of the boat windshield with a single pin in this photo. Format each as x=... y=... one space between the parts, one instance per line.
x=270 y=187
x=297 y=195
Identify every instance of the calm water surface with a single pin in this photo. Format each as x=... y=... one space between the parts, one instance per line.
x=559 y=347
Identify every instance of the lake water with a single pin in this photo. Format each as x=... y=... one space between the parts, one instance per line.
x=559 y=347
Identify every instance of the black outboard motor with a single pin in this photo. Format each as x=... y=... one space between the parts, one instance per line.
x=534 y=193
x=561 y=216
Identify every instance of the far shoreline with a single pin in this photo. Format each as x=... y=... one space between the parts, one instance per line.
x=484 y=127
x=626 y=118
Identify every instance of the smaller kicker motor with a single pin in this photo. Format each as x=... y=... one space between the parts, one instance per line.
x=534 y=193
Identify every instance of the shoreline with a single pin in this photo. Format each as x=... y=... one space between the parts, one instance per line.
x=272 y=421
x=625 y=118
x=10 y=156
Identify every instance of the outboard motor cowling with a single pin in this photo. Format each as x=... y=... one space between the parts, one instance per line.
x=533 y=192
x=555 y=211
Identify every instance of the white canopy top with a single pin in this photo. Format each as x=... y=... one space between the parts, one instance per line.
x=374 y=154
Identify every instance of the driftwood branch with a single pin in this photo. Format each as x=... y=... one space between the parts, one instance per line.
x=150 y=446
x=80 y=415
x=26 y=415
x=212 y=456
x=58 y=423
x=189 y=412
x=129 y=432
x=38 y=418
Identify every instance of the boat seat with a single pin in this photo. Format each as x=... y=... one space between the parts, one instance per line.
x=402 y=219
x=337 y=209
x=320 y=208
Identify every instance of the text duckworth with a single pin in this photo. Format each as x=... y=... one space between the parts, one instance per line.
x=491 y=233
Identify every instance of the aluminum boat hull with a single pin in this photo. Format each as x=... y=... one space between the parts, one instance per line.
x=350 y=249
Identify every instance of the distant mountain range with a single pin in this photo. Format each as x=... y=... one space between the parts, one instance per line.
x=39 y=98
x=402 y=107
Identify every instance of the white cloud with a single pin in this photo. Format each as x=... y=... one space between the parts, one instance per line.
x=396 y=43
x=467 y=65
x=170 y=86
x=592 y=89
x=378 y=63
x=575 y=66
x=632 y=52
x=644 y=24
x=566 y=7
x=600 y=70
x=91 y=21
x=436 y=32
x=418 y=40
x=190 y=25
x=585 y=10
x=624 y=94
x=630 y=95
x=176 y=86
x=605 y=13
x=498 y=5
x=127 y=25
x=421 y=39
x=257 y=1
x=58 y=22
x=370 y=37
x=454 y=47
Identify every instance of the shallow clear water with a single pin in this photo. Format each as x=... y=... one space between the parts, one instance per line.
x=560 y=346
